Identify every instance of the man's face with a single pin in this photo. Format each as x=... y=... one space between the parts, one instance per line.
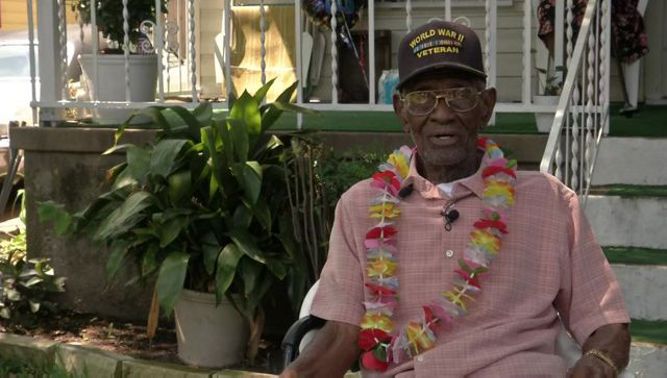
x=445 y=137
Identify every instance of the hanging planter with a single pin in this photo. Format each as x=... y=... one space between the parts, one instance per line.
x=319 y=12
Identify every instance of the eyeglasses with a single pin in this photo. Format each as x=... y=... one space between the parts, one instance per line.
x=460 y=100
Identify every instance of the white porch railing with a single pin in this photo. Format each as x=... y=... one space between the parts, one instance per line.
x=53 y=95
x=582 y=117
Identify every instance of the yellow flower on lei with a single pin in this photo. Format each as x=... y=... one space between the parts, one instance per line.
x=380 y=268
x=485 y=240
x=399 y=161
x=418 y=338
x=384 y=210
x=377 y=320
x=495 y=188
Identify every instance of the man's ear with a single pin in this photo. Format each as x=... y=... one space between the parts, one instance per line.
x=399 y=111
x=488 y=104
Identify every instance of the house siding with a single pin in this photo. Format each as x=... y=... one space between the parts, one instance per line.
x=509 y=50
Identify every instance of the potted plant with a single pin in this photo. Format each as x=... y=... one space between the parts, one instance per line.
x=204 y=211
x=551 y=88
x=106 y=84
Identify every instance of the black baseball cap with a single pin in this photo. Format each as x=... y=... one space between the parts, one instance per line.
x=439 y=45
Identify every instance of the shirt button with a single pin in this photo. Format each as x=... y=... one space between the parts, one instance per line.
x=449 y=253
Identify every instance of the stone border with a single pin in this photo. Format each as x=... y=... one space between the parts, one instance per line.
x=83 y=361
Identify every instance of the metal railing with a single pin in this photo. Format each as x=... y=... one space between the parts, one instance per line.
x=53 y=97
x=582 y=117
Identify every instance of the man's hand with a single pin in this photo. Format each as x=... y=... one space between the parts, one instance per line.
x=613 y=340
x=330 y=354
x=591 y=367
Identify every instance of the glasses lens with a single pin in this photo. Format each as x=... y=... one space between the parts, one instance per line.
x=462 y=99
x=420 y=103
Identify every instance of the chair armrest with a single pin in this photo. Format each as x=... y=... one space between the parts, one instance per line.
x=294 y=335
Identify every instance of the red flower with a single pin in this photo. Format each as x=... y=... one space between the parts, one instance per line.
x=375 y=232
x=474 y=281
x=370 y=362
x=481 y=143
x=430 y=318
x=371 y=337
x=486 y=223
x=380 y=291
x=492 y=170
x=386 y=180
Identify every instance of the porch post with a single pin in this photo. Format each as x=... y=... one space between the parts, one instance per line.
x=50 y=66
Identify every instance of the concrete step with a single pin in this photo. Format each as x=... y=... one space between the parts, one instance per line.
x=628 y=221
x=647 y=360
x=637 y=161
x=644 y=290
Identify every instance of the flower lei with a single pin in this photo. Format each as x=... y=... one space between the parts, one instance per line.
x=380 y=343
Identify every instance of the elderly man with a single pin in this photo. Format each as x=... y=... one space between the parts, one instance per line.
x=450 y=263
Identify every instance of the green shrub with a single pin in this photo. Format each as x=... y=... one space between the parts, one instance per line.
x=25 y=284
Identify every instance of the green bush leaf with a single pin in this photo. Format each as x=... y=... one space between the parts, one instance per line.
x=250 y=178
x=246 y=243
x=49 y=211
x=163 y=158
x=260 y=95
x=211 y=249
x=180 y=185
x=119 y=250
x=272 y=113
x=246 y=109
x=171 y=278
x=227 y=262
x=138 y=162
x=239 y=138
x=204 y=113
x=124 y=217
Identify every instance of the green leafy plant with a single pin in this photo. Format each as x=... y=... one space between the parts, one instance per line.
x=25 y=284
x=109 y=16
x=202 y=207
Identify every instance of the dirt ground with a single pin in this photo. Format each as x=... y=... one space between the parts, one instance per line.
x=125 y=338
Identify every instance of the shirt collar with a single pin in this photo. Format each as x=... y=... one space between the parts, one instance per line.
x=472 y=184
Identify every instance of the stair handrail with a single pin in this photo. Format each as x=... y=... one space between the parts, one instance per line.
x=581 y=121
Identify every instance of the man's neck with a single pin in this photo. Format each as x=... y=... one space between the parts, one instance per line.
x=445 y=174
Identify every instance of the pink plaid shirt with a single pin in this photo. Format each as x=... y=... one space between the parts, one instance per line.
x=549 y=263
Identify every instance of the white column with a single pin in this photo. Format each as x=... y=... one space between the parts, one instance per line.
x=371 y=53
x=448 y=10
x=193 y=50
x=490 y=36
x=262 y=40
x=334 y=53
x=159 y=46
x=126 y=50
x=49 y=57
x=298 y=19
x=527 y=33
x=227 y=63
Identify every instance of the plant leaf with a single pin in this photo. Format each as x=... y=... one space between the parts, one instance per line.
x=249 y=176
x=246 y=243
x=227 y=262
x=170 y=230
x=193 y=123
x=246 y=110
x=164 y=156
x=124 y=217
x=204 y=113
x=260 y=95
x=210 y=249
x=171 y=278
x=273 y=113
x=119 y=249
x=49 y=211
x=138 y=161
x=238 y=135
x=242 y=216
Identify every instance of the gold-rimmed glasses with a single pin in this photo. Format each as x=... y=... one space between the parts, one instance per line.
x=460 y=100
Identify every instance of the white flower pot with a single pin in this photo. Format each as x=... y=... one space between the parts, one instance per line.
x=545 y=120
x=209 y=336
x=110 y=85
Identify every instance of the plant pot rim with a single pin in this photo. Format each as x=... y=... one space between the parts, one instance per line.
x=203 y=297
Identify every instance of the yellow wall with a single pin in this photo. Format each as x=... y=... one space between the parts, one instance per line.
x=14 y=14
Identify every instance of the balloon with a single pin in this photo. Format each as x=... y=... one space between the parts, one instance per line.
x=320 y=11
